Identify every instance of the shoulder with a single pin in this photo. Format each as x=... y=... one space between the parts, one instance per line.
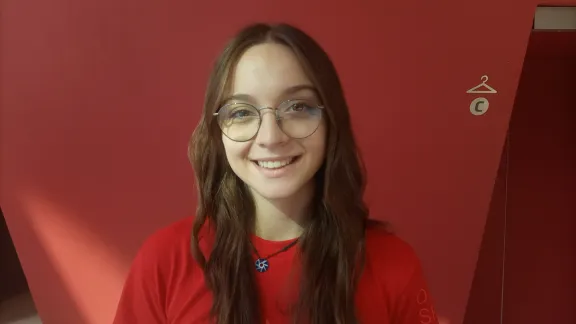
x=393 y=268
x=175 y=235
x=382 y=244
x=154 y=272
x=393 y=260
x=166 y=246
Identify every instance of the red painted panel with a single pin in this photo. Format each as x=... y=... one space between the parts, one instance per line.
x=542 y=186
x=533 y=199
x=99 y=99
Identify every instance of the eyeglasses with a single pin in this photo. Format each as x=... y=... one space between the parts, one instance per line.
x=241 y=122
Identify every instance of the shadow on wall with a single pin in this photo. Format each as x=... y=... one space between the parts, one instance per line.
x=12 y=279
x=484 y=303
x=45 y=282
x=532 y=201
x=74 y=250
x=67 y=262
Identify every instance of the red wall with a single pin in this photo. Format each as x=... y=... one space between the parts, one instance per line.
x=99 y=99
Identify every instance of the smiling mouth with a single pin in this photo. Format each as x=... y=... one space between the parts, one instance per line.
x=272 y=165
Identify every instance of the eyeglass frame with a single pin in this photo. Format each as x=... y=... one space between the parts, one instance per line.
x=275 y=110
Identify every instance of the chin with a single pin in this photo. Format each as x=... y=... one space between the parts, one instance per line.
x=276 y=192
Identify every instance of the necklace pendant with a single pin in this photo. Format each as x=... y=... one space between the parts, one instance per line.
x=261 y=265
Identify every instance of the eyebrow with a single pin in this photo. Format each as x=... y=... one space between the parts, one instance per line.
x=287 y=92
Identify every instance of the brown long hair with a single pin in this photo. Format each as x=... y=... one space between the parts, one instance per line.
x=332 y=246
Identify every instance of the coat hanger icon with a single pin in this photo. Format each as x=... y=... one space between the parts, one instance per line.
x=478 y=88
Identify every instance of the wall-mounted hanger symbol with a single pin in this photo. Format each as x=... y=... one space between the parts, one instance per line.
x=482 y=87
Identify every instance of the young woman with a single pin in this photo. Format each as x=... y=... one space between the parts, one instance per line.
x=281 y=233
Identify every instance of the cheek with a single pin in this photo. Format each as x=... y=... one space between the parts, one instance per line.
x=235 y=151
x=318 y=140
x=315 y=146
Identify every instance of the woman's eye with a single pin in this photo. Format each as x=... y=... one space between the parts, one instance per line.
x=299 y=106
x=239 y=114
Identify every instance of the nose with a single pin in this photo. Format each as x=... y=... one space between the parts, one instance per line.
x=270 y=133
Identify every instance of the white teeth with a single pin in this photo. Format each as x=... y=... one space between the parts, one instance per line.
x=274 y=164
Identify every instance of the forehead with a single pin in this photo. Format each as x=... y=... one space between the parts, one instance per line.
x=266 y=72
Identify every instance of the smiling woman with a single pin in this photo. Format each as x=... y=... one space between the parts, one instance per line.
x=281 y=234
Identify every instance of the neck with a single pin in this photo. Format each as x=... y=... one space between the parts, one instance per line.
x=282 y=219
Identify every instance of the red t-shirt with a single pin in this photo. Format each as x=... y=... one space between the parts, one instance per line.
x=165 y=284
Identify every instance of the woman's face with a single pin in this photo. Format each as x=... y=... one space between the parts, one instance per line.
x=273 y=164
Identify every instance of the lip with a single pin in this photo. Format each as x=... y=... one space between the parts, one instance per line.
x=274 y=159
x=280 y=172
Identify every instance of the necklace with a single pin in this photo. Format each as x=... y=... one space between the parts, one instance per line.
x=261 y=263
